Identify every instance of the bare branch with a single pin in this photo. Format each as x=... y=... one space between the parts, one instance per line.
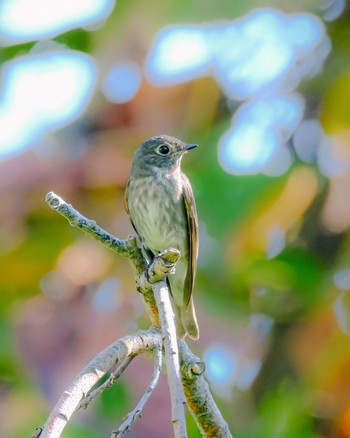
x=150 y=283
x=106 y=385
x=127 y=248
x=199 y=399
x=129 y=346
x=163 y=264
x=137 y=411
x=37 y=432
x=161 y=293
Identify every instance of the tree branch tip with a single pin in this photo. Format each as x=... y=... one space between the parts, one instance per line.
x=170 y=255
x=143 y=284
x=198 y=368
x=192 y=369
x=49 y=195
x=38 y=432
x=53 y=200
x=131 y=239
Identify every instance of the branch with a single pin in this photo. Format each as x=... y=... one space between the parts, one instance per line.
x=162 y=265
x=199 y=399
x=129 y=346
x=161 y=293
x=126 y=247
x=150 y=283
x=107 y=384
x=136 y=412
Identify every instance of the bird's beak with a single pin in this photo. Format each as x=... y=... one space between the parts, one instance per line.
x=190 y=146
x=185 y=149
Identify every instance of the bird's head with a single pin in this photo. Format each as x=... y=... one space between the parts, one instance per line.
x=162 y=151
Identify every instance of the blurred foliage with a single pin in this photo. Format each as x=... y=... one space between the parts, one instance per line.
x=51 y=317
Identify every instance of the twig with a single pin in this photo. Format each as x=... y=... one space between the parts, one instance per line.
x=137 y=411
x=107 y=384
x=127 y=247
x=37 y=432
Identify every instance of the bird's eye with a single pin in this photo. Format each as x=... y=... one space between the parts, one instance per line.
x=163 y=150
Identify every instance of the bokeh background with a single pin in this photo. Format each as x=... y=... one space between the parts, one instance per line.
x=264 y=88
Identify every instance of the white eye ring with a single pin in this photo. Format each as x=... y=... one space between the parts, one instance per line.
x=163 y=149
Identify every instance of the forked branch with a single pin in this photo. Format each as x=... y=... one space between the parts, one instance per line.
x=151 y=284
x=127 y=347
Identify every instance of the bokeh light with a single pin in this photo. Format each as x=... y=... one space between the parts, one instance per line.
x=245 y=148
x=27 y=20
x=261 y=57
x=179 y=53
x=257 y=53
x=122 y=82
x=55 y=285
x=329 y=162
x=341 y=279
x=307 y=139
x=276 y=241
x=221 y=367
x=332 y=9
x=107 y=297
x=42 y=92
x=237 y=366
x=260 y=129
x=342 y=310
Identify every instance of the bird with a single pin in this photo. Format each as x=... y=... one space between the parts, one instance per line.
x=161 y=206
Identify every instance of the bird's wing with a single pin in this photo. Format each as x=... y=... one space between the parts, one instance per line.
x=126 y=204
x=146 y=251
x=192 y=224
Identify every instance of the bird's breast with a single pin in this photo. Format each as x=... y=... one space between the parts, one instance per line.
x=156 y=210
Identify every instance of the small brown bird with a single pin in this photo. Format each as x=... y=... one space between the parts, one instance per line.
x=160 y=203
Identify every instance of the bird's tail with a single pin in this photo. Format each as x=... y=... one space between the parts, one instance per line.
x=186 y=321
